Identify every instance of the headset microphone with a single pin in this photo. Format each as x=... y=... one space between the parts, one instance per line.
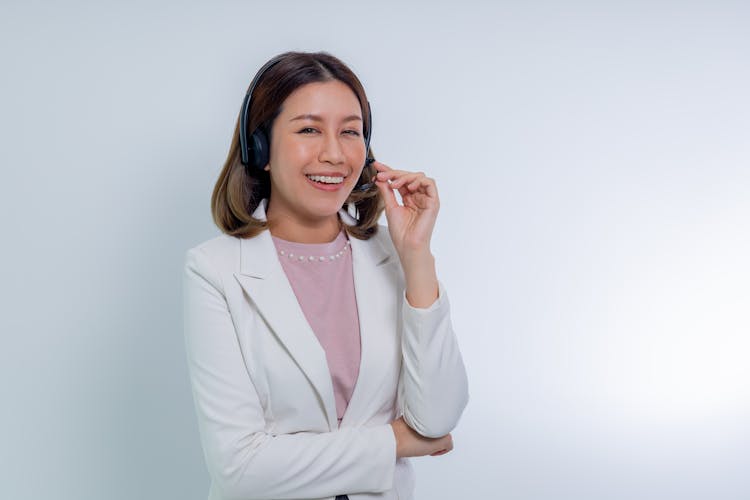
x=369 y=185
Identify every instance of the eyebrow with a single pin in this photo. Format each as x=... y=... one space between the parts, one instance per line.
x=318 y=118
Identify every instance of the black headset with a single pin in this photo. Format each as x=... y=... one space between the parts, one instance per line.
x=254 y=152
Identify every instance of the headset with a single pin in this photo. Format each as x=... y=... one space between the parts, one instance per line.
x=254 y=151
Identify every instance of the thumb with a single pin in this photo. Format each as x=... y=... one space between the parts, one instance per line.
x=388 y=196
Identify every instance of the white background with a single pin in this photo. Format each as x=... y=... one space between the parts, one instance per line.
x=593 y=165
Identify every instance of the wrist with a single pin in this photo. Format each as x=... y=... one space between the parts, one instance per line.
x=422 y=287
x=396 y=439
x=416 y=256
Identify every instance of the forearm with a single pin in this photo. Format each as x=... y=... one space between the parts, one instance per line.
x=308 y=465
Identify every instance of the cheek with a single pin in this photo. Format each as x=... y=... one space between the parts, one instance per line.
x=290 y=153
x=356 y=152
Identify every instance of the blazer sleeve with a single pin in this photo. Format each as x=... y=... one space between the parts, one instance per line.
x=433 y=387
x=243 y=460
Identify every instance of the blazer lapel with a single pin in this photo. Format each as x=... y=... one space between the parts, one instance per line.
x=264 y=281
x=377 y=292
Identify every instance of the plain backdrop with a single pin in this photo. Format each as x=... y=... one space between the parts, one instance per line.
x=593 y=163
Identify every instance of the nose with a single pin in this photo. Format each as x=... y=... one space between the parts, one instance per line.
x=331 y=151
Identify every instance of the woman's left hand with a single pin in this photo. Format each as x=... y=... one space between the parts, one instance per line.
x=410 y=224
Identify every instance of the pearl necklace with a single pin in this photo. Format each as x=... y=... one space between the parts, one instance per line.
x=313 y=258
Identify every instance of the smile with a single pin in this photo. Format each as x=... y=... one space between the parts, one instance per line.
x=326 y=179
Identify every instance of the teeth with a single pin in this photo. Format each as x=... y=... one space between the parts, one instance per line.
x=326 y=179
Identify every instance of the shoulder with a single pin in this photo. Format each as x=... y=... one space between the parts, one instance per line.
x=214 y=257
x=219 y=246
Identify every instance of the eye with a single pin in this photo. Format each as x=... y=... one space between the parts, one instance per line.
x=352 y=132
x=307 y=130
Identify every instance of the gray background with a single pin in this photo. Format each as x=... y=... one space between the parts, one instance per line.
x=592 y=160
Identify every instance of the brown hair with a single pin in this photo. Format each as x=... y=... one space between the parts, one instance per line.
x=239 y=190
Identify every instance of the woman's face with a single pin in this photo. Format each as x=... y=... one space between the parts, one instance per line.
x=317 y=152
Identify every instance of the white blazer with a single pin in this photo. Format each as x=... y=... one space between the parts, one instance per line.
x=262 y=389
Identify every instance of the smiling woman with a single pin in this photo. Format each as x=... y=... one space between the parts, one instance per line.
x=321 y=100
x=318 y=362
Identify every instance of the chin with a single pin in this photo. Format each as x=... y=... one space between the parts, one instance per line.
x=326 y=208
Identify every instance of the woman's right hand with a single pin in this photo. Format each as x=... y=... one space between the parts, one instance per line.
x=411 y=444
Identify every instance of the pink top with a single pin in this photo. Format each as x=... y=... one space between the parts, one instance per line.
x=322 y=279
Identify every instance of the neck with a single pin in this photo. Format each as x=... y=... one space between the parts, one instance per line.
x=303 y=231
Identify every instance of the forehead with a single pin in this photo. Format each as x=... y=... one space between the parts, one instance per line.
x=322 y=98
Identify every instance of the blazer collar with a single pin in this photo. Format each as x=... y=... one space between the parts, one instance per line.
x=258 y=261
x=264 y=281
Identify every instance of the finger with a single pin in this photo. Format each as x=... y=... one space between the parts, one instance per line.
x=449 y=442
x=422 y=182
x=399 y=182
x=381 y=166
x=412 y=190
x=409 y=179
x=394 y=175
x=387 y=193
x=423 y=193
x=432 y=191
x=403 y=191
x=399 y=178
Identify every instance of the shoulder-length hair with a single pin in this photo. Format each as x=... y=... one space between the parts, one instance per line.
x=239 y=190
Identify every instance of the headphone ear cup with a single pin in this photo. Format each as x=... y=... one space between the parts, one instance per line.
x=260 y=149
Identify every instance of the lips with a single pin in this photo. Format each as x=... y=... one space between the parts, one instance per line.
x=326 y=183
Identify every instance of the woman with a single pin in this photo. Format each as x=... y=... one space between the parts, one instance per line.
x=319 y=344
